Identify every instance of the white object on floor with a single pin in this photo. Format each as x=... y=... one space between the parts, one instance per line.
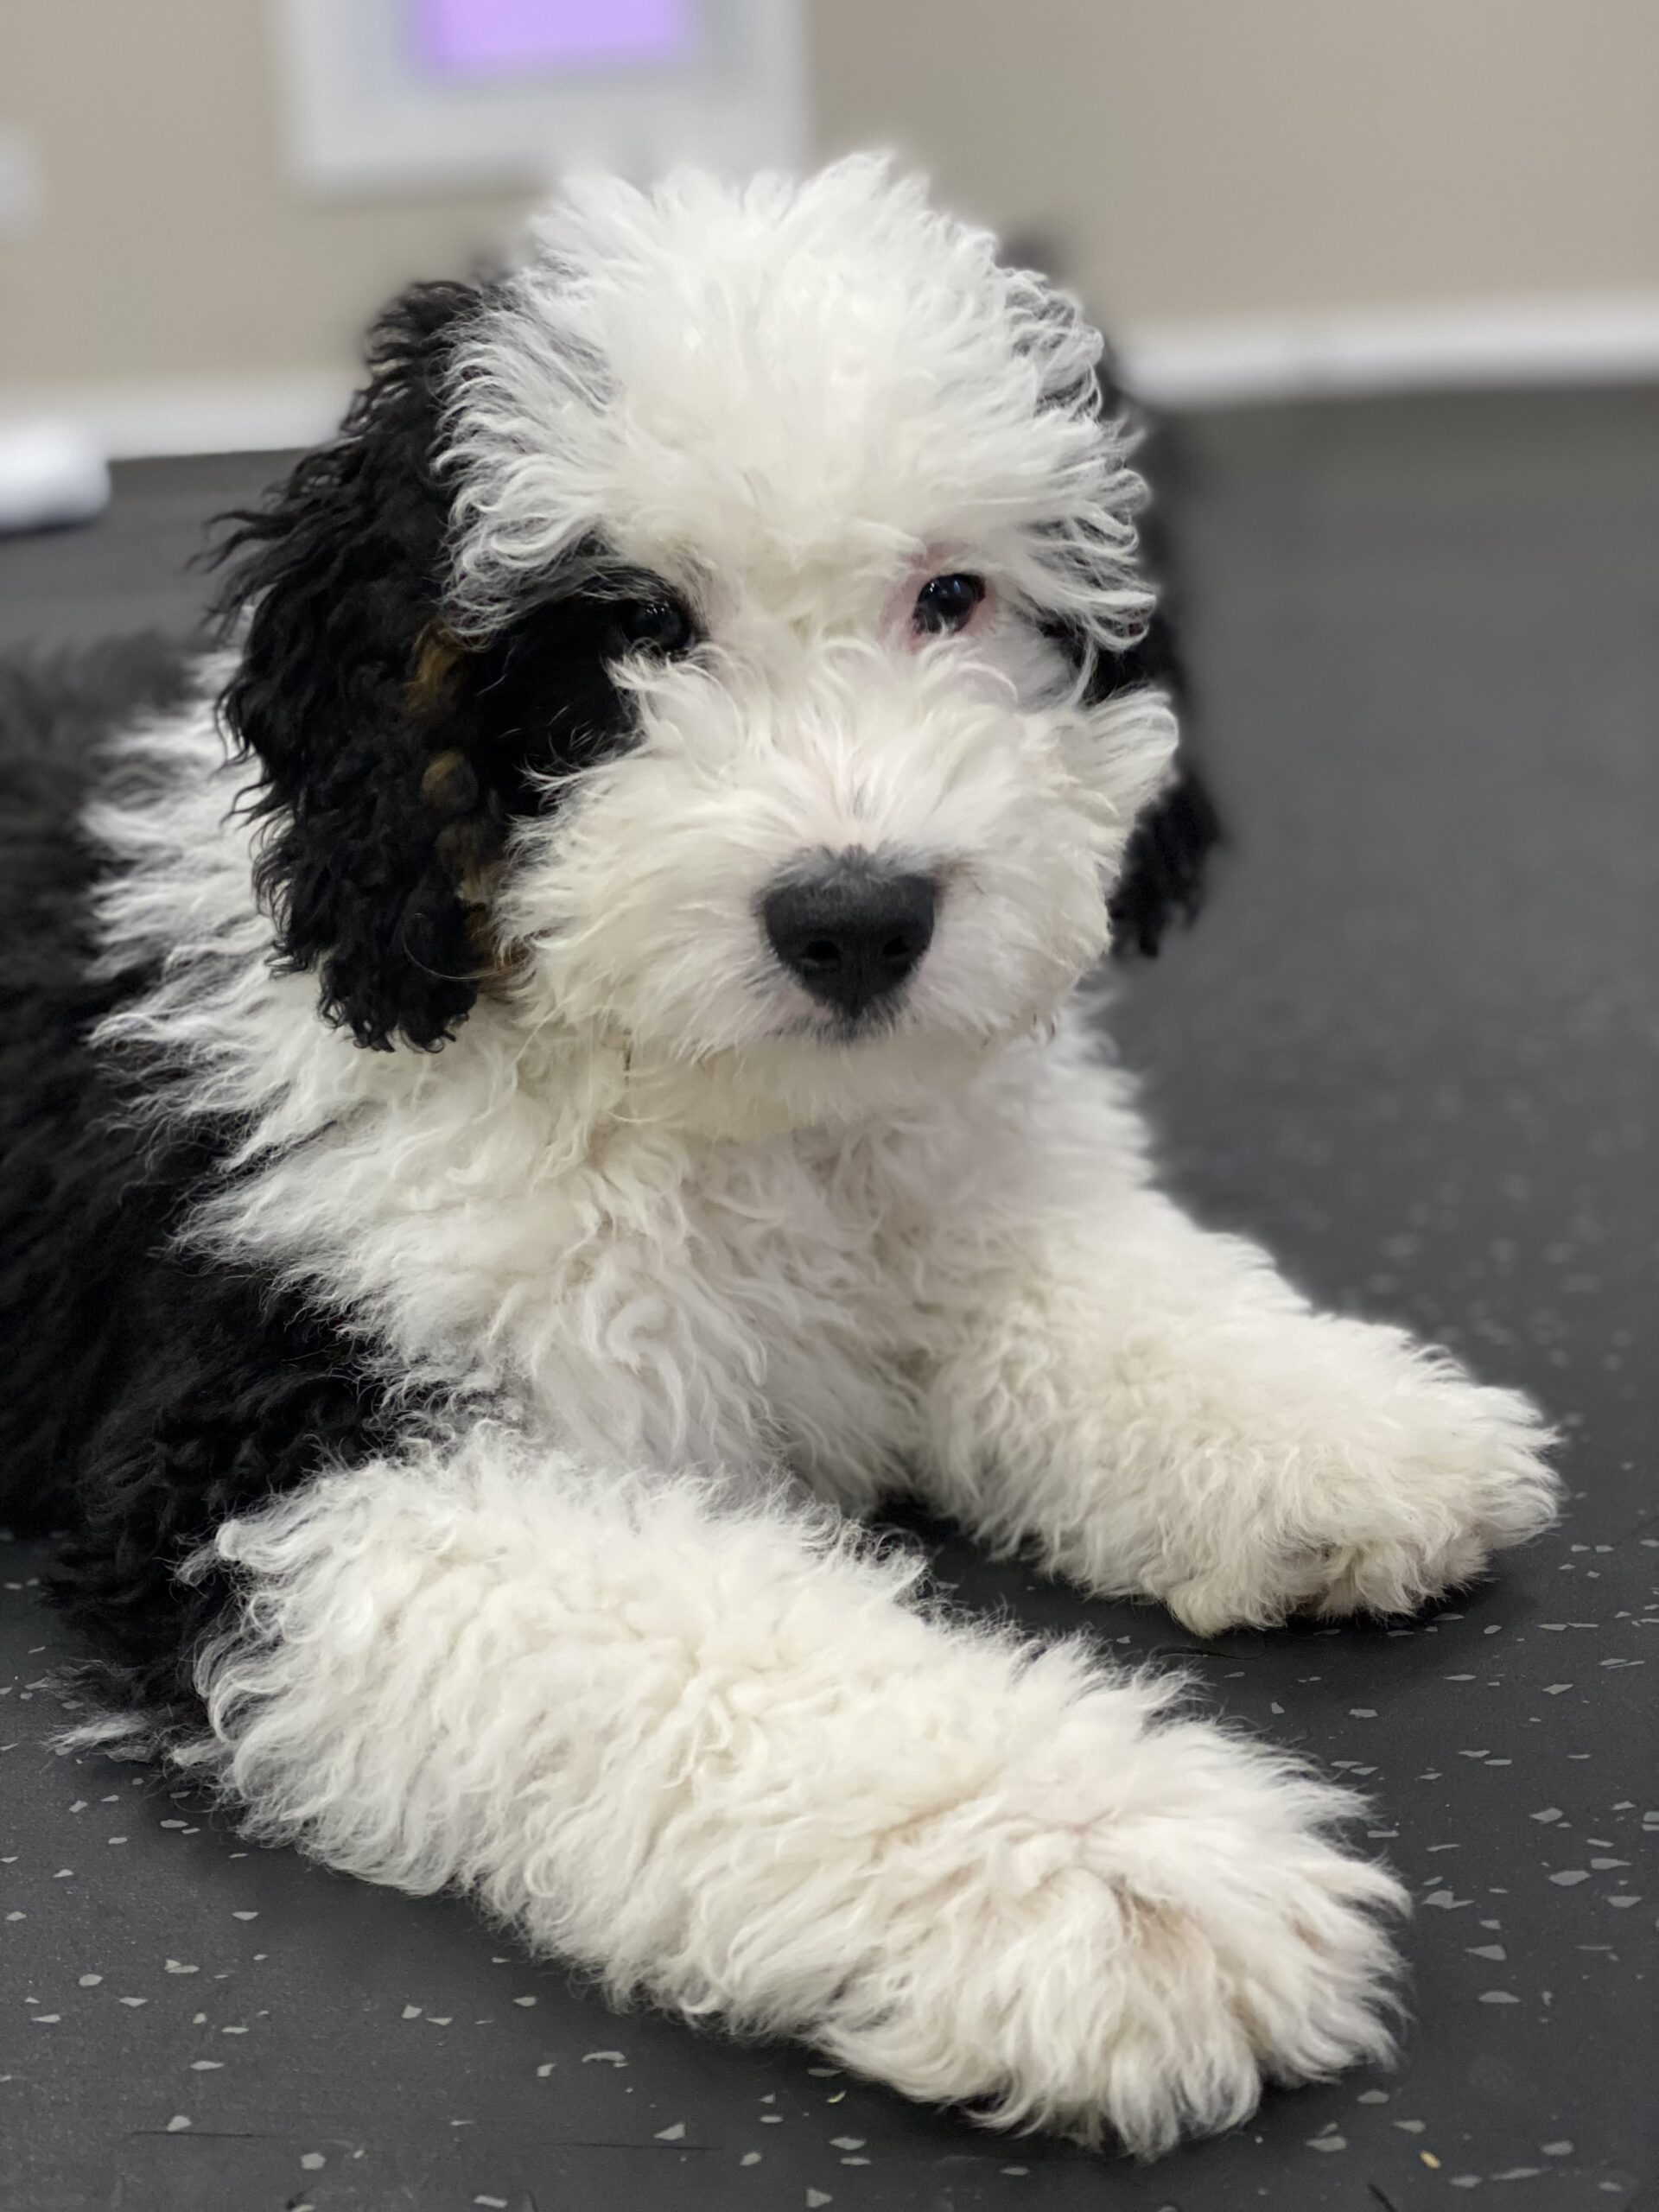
x=49 y=472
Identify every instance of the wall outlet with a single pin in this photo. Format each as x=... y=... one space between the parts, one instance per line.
x=20 y=183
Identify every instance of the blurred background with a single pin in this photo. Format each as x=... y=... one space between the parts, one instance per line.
x=201 y=201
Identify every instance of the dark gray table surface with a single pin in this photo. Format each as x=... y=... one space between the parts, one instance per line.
x=1413 y=1043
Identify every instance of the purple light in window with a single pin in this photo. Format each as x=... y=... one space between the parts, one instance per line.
x=478 y=38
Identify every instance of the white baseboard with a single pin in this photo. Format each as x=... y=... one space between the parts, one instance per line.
x=1212 y=364
x=135 y=421
x=1608 y=340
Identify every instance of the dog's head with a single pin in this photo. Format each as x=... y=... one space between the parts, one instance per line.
x=723 y=635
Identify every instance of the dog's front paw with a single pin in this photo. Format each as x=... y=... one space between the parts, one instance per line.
x=1130 y=1948
x=1407 y=1499
x=1476 y=1482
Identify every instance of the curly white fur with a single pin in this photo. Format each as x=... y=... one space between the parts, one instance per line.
x=798 y=376
x=583 y=1657
x=715 y=1756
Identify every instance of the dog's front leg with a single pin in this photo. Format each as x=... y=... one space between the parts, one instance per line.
x=713 y=1753
x=1153 y=1410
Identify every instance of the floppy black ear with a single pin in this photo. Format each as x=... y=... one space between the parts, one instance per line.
x=1163 y=869
x=1162 y=879
x=1163 y=874
x=331 y=595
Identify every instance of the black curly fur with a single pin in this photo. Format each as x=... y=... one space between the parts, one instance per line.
x=148 y=1397
x=72 y=1225
x=339 y=577
x=1167 y=865
x=393 y=759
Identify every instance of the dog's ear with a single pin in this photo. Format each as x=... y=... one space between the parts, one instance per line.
x=1162 y=879
x=1163 y=870
x=331 y=601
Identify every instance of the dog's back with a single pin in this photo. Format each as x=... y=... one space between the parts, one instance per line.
x=78 y=1213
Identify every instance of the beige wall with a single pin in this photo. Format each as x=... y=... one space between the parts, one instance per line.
x=1229 y=157
x=1196 y=158
x=172 y=242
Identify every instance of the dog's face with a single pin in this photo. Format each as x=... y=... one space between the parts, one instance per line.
x=720 y=637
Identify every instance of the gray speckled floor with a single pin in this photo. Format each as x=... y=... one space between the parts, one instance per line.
x=1416 y=1045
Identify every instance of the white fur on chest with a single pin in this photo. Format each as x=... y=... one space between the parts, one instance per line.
x=645 y=1295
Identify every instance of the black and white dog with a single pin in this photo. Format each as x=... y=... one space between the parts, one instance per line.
x=508 y=1160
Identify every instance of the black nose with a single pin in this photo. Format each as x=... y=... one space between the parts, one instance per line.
x=852 y=931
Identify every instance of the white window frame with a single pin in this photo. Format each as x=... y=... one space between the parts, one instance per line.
x=362 y=120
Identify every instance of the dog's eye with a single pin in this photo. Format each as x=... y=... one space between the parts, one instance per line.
x=662 y=625
x=946 y=603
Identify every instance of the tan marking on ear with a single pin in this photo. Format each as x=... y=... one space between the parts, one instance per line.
x=468 y=853
x=449 y=784
x=437 y=655
x=468 y=843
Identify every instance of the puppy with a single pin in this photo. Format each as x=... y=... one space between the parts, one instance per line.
x=508 y=1160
